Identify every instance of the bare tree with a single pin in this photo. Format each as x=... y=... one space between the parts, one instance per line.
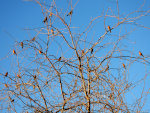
x=62 y=69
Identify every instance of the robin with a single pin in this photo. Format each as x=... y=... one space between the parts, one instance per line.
x=59 y=59
x=91 y=50
x=45 y=20
x=46 y=83
x=34 y=76
x=6 y=85
x=21 y=44
x=12 y=100
x=109 y=29
x=6 y=74
x=70 y=13
x=18 y=76
x=51 y=14
x=14 y=52
x=52 y=31
x=141 y=54
x=33 y=39
x=123 y=65
x=40 y=52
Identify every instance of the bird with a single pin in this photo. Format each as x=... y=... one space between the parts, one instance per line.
x=33 y=39
x=46 y=83
x=123 y=65
x=6 y=74
x=141 y=54
x=91 y=50
x=6 y=85
x=21 y=44
x=109 y=29
x=34 y=76
x=12 y=100
x=45 y=20
x=70 y=13
x=51 y=14
x=59 y=59
x=40 y=52
x=14 y=52
x=52 y=31
x=18 y=76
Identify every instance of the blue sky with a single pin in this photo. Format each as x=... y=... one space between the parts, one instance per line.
x=17 y=15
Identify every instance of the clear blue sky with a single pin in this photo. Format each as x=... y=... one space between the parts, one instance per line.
x=16 y=15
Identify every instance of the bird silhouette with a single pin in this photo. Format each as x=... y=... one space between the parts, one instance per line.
x=70 y=13
x=51 y=14
x=14 y=52
x=18 y=76
x=6 y=85
x=141 y=54
x=45 y=19
x=52 y=31
x=21 y=44
x=34 y=76
x=40 y=52
x=6 y=74
x=91 y=50
x=123 y=65
x=59 y=59
x=109 y=29
x=33 y=39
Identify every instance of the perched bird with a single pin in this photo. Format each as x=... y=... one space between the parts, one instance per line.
x=45 y=20
x=52 y=31
x=34 y=76
x=46 y=83
x=123 y=65
x=18 y=76
x=141 y=54
x=91 y=50
x=109 y=29
x=6 y=85
x=33 y=39
x=14 y=52
x=21 y=44
x=70 y=13
x=59 y=59
x=51 y=14
x=40 y=52
x=6 y=74
x=12 y=100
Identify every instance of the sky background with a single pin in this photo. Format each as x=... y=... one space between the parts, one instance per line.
x=17 y=15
